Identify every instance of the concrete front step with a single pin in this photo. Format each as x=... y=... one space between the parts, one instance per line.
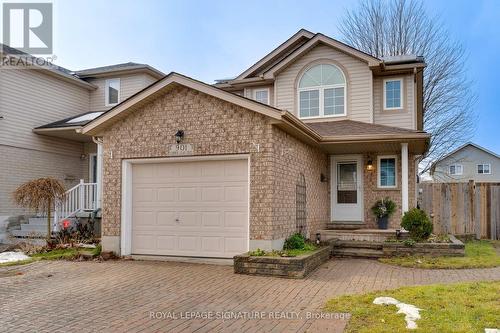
x=37 y=221
x=358 y=244
x=341 y=225
x=357 y=253
x=34 y=227
x=28 y=233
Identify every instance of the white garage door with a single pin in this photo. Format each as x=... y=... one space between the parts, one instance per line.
x=190 y=208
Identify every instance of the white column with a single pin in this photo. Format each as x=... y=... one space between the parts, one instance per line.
x=404 y=177
x=99 y=174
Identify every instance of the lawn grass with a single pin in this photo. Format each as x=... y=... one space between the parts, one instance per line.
x=68 y=254
x=478 y=254
x=462 y=307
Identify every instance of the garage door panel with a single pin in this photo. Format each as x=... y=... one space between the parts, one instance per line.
x=211 y=219
x=209 y=199
x=166 y=194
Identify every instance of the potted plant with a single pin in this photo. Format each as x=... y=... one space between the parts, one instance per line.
x=382 y=210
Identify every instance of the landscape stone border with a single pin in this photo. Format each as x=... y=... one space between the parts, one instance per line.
x=287 y=267
x=455 y=249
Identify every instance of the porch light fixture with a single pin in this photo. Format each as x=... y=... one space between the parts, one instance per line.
x=179 y=136
x=369 y=165
x=323 y=178
x=318 y=238
x=398 y=233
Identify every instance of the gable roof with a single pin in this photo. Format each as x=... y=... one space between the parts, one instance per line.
x=464 y=146
x=157 y=88
x=302 y=42
x=128 y=66
x=299 y=38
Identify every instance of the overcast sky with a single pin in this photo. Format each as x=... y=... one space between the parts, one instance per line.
x=219 y=39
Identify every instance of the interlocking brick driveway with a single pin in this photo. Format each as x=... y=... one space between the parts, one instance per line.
x=117 y=296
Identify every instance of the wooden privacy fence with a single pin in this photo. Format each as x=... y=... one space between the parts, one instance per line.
x=462 y=208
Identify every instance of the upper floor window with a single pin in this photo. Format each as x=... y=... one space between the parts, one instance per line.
x=261 y=95
x=484 y=169
x=393 y=94
x=456 y=169
x=322 y=92
x=112 y=92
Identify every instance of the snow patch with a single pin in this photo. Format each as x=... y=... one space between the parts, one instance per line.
x=411 y=312
x=12 y=257
x=491 y=330
x=85 y=117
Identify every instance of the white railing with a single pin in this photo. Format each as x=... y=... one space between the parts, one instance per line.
x=80 y=198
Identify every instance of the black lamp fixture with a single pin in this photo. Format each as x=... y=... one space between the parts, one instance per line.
x=318 y=238
x=179 y=136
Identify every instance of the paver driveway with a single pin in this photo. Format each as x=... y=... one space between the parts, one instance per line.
x=117 y=296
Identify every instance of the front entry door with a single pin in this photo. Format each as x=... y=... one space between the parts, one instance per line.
x=346 y=188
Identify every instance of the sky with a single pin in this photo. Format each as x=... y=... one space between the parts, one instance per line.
x=214 y=39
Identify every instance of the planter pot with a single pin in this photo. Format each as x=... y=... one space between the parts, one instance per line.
x=383 y=222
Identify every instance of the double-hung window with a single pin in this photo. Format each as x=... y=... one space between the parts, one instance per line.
x=112 y=92
x=261 y=95
x=322 y=92
x=387 y=172
x=456 y=170
x=393 y=94
x=484 y=169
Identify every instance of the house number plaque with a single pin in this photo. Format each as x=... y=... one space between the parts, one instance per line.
x=179 y=149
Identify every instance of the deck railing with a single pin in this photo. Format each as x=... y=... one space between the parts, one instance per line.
x=80 y=198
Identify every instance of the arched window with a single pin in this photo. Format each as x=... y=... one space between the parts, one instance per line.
x=322 y=92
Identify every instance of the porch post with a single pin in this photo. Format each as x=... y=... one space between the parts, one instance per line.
x=99 y=174
x=404 y=177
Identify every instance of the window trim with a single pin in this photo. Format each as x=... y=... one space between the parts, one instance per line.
x=456 y=165
x=106 y=91
x=401 y=94
x=379 y=158
x=483 y=173
x=321 y=93
x=254 y=95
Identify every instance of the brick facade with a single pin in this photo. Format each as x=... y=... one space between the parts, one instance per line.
x=216 y=127
x=372 y=193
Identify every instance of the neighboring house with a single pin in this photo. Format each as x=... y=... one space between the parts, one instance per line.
x=35 y=142
x=468 y=162
x=314 y=133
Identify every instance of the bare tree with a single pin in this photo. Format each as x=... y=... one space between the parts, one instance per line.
x=397 y=27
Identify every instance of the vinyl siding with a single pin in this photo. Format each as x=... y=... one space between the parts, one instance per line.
x=129 y=85
x=20 y=165
x=469 y=157
x=359 y=83
x=30 y=98
x=405 y=117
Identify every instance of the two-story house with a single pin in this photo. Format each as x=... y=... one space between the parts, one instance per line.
x=468 y=162
x=312 y=134
x=40 y=108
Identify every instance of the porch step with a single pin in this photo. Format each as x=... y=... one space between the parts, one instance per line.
x=357 y=253
x=37 y=221
x=357 y=245
x=28 y=234
x=345 y=225
x=34 y=227
x=374 y=235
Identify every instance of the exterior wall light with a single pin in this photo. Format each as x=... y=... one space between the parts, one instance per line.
x=179 y=136
x=369 y=165
x=318 y=238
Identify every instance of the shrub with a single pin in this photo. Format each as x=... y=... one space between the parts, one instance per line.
x=295 y=242
x=417 y=223
x=384 y=207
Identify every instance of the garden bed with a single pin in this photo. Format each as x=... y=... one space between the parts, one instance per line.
x=453 y=247
x=288 y=267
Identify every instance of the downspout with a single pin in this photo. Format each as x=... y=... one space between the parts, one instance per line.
x=98 y=141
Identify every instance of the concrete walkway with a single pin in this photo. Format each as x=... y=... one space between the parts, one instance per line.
x=146 y=296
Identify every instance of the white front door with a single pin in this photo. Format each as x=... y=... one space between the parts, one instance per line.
x=346 y=188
